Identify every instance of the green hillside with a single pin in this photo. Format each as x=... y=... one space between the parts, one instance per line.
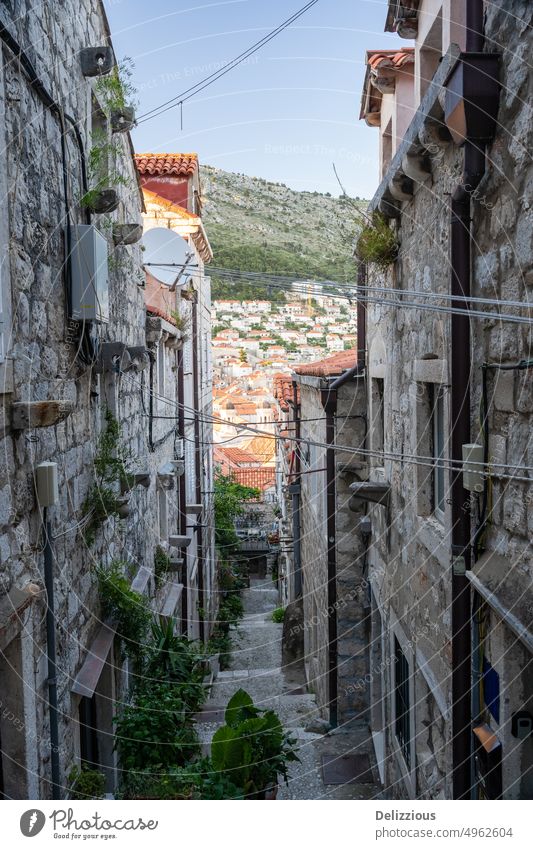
x=254 y=225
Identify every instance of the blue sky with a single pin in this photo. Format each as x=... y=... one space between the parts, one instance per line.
x=286 y=114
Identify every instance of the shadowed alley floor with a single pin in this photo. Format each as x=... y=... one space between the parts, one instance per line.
x=256 y=667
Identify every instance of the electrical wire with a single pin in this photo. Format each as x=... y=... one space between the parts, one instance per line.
x=186 y=95
x=390 y=455
x=356 y=290
x=402 y=304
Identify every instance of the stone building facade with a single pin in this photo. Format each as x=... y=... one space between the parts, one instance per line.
x=413 y=359
x=332 y=423
x=65 y=374
x=172 y=195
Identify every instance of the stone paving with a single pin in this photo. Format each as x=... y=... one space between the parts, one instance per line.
x=256 y=667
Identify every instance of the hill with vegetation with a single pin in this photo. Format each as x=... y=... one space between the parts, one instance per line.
x=256 y=225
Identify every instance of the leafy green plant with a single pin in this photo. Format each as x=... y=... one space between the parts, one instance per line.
x=220 y=643
x=102 y=500
x=103 y=172
x=116 y=90
x=155 y=730
x=231 y=609
x=278 y=614
x=161 y=565
x=229 y=498
x=181 y=321
x=198 y=780
x=231 y=577
x=85 y=783
x=377 y=243
x=252 y=748
x=174 y=659
x=129 y=609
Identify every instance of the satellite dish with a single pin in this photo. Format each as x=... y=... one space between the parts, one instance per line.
x=166 y=255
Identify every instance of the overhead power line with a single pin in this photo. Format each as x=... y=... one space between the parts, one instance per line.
x=409 y=459
x=181 y=98
x=397 y=301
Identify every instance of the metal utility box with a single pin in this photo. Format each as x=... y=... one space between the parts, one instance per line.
x=89 y=274
x=46 y=484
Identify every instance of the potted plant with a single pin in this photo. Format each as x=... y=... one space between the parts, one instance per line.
x=116 y=93
x=127 y=234
x=86 y=783
x=252 y=748
x=101 y=200
x=122 y=119
x=103 y=174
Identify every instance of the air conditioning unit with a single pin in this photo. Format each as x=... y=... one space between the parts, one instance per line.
x=89 y=275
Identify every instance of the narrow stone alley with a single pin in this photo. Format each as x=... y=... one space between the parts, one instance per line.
x=336 y=765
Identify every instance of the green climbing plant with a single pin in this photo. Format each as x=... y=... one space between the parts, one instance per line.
x=111 y=471
x=116 y=90
x=126 y=607
x=103 y=167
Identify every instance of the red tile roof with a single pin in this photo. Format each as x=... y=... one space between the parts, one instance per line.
x=390 y=58
x=330 y=366
x=379 y=61
x=166 y=164
x=257 y=478
x=283 y=391
x=237 y=455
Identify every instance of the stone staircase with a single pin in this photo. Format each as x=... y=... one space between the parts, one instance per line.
x=256 y=668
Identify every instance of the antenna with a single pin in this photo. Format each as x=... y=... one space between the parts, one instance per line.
x=166 y=256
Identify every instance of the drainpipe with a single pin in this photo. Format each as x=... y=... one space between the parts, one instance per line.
x=296 y=498
x=198 y=464
x=361 y=316
x=329 y=402
x=182 y=487
x=51 y=654
x=461 y=258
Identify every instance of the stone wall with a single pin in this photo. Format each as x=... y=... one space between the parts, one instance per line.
x=349 y=609
x=409 y=350
x=42 y=364
x=314 y=547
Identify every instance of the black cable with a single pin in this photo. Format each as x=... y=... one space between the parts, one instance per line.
x=180 y=99
x=86 y=350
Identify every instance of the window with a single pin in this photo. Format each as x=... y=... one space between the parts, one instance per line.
x=386 y=148
x=430 y=421
x=161 y=377
x=438 y=451
x=402 y=712
x=163 y=514
x=88 y=732
x=378 y=418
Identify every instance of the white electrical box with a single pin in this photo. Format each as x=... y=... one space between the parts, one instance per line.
x=473 y=469
x=46 y=484
x=89 y=274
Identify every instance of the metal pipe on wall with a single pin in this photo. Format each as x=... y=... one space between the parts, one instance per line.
x=182 y=489
x=51 y=655
x=198 y=467
x=296 y=498
x=461 y=365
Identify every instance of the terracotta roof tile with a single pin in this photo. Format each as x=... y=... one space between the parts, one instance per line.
x=390 y=58
x=256 y=478
x=330 y=366
x=237 y=455
x=166 y=164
